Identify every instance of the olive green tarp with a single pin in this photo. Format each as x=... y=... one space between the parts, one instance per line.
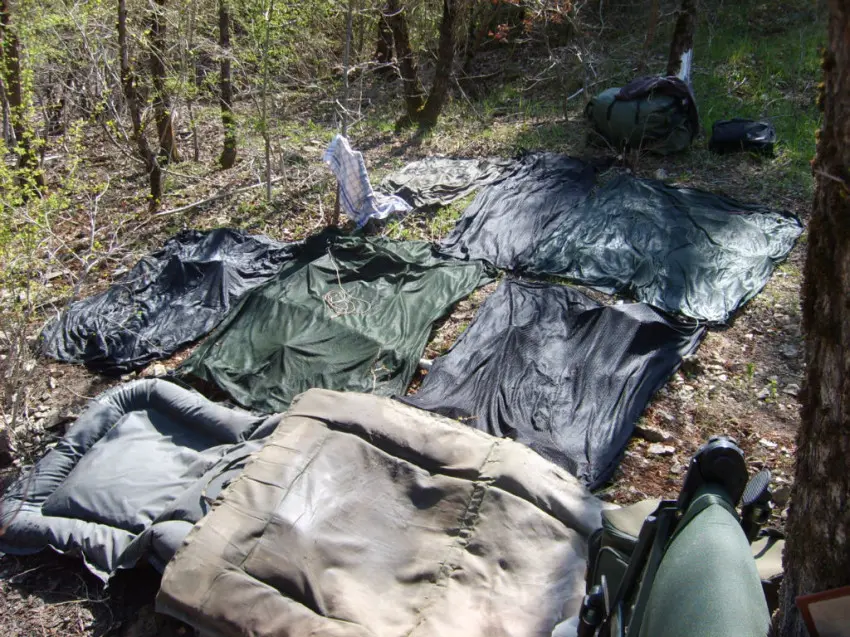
x=356 y=318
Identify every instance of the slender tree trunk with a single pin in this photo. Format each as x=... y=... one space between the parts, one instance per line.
x=427 y=116
x=683 y=36
x=346 y=61
x=161 y=102
x=384 y=46
x=189 y=67
x=414 y=94
x=267 y=143
x=10 y=66
x=228 y=121
x=479 y=27
x=817 y=553
x=128 y=84
x=654 y=9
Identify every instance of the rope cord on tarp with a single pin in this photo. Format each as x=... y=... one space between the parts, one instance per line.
x=340 y=301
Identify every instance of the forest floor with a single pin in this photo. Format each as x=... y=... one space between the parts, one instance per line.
x=743 y=380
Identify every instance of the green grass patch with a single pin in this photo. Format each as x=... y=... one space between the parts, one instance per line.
x=763 y=62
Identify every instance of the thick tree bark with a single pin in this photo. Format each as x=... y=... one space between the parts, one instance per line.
x=10 y=66
x=427 y=116
x=817 y=553
x=414 y=94
x=228 y=154
x=161 y=102
x=683 y=36
x=128 y=84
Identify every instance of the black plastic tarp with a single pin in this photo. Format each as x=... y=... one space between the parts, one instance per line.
x=510 y=217
x=169 y=299
x=438 y=181
x=679 y=249
x=355 y=319
x=548 y=366
x=131 y=477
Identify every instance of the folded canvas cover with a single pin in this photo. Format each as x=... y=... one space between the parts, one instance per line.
x=136 y=470
x=362 y=516
x=551 y=368
x=438 y=181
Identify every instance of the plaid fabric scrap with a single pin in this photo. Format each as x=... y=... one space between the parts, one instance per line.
x=358 y=199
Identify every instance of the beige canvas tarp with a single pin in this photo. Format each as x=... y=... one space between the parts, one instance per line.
x=362 y=516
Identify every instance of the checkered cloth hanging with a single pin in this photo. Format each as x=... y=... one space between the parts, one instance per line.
x=358 y=199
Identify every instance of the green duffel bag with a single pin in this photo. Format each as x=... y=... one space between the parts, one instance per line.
x=657 y=123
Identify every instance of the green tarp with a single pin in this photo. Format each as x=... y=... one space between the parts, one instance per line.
x=356 y=318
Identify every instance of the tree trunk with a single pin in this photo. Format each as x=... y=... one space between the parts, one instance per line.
x=161 y=103
x=10 y=65
x=384 y=46
x=427 y=116
x=654 y=9
x=128 y=84
x=228 y=155
x=817 y=553
x=683 y=37
x=414 y=94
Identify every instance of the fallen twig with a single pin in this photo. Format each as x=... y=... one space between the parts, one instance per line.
x=221 y=195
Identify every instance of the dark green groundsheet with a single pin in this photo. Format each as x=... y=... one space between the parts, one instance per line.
x=356 y=318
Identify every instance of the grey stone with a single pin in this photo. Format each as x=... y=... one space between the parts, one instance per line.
x=769 y=444
x=653 y=434
x=781 y=496
x=657 y=449
x=789 y=351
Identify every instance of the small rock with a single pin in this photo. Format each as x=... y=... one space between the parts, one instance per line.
x=159 y=370
x=54 y=419
x=789 y=351
x=661 y=174
x=677 y=468
x=653 y=434
x=29 y=366
x=781 y=495
x=792 y=390
x=691 y=365
x=51 y=382
x=764 y=393
x=657 y=449
x=666 y=416
x=769 y=444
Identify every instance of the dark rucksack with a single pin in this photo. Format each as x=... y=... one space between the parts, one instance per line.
x=736 y=135
x=653 y=113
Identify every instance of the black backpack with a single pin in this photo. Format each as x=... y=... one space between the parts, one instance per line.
x=736 y=135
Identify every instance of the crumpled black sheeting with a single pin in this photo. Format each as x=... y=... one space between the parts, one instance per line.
x=553 y=369
x=169 y=299
x=438 y=181
x=679 y=249
x=510 y=217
